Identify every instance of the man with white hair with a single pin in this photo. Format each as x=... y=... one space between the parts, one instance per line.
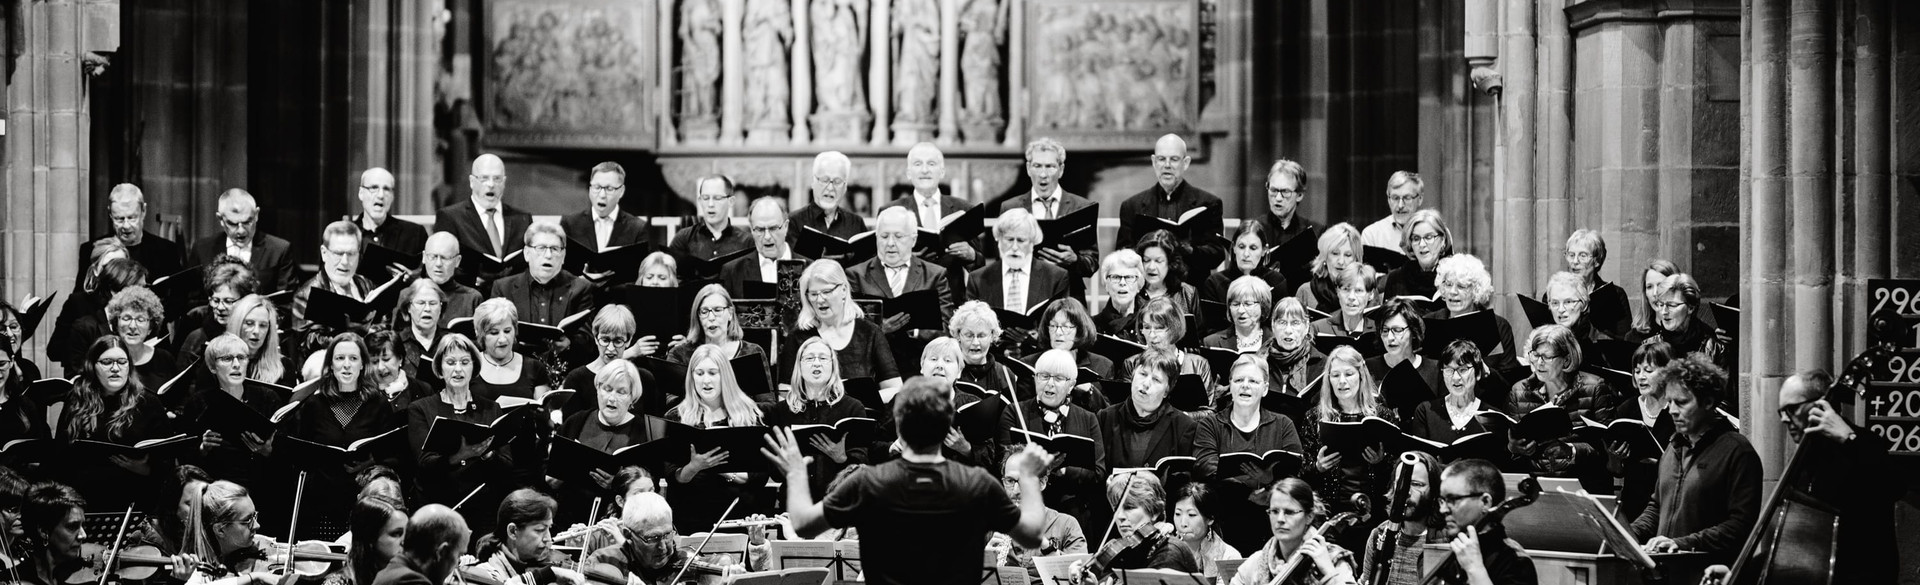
x=270 y=257
x=768 y=224
x=1046 y=160
x=1014 y=281
x=376 y=216
x=1404 y=190
x=650 y=551
x=926 y=168
x=127 y=209
x=896 y=271
x=1168 y=198
x=826 y=215
x=483 y=222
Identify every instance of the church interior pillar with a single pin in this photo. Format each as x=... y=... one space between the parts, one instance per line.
x=949 y=102
x=1512 y=258
x=880 y=71
x=733 y=75
x=801 y=66
x=1764 y=295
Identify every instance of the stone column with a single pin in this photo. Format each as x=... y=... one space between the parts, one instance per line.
x=732 y=71
x=802 y=70
x=1867 y=249
x=1554 y=143
x=395 y=60
x=880 y=71
x=1512 y=263
x=1480 y=48
x=949 y=72
x=1764 y=295
x=47 y=168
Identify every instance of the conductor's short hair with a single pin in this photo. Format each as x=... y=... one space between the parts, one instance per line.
x=924 y=411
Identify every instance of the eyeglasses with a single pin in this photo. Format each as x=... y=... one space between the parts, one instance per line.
x=1403 y=198
x=122 y=362
x=1290 y=323
x=816 y=359
x=1458 y=372
x=1053 y=378
x=830 y=181
x=1152 y=329
x=613 y=340
x=605 y=188
x=247 y=520
x=1668 y=305
x=1062 y=326
x=547 y=250
x=222 y=301
x=1542 y=357
x=135 y=318
x=1454 y=501
x=1401 y=330
x=1123 y=277
x=975 y=336
x=1581 y=256
x=1244 y=305
x=711 y=311
x=655 y=539
x=822 y=294
x=1273 y=191
x=1426 y=239
x=239 y=224
x=435 y=258
x=713 y=198
x=766 y=230
x=1565 y=303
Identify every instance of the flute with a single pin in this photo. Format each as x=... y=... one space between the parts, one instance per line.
x=751 y=523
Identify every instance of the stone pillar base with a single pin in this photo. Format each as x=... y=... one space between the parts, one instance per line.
x=982 y=131
x=703 y=130
x=834 y=127
x=770 y=134
x=911 y=133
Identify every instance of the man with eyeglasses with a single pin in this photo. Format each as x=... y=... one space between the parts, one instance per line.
x=439 y=261
x=1046 y=160
x=1403 y=198
x=483 y=222
x=710 y=234
x=825 y=215
x=1468 y=489
x=545 y=294
x=768 y=224
x=896 y=271
x=609 y=225
x=926 y=168
x=376 y=216
x=339 y=272
x=270 y=256
x=1286 y=188
x=1168 y=198
x=127 y=208
x=649 y=549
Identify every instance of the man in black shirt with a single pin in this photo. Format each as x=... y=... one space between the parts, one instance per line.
x=1286 y=187
x=430 y=550
x=377 y=220
x=922 y=519
x=1169 y=198
x=1468 y=488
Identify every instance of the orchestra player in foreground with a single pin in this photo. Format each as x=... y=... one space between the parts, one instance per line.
x=436 y=535
x=1708 y=493
x=1293 y=510
x=1468 y=490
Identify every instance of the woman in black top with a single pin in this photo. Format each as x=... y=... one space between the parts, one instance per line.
x=1243 y=426
x=827 y=311
x=236 y=456
x=384 y=363
x=256 y=321
x=443 y=476
x=504 y=371
x=17 y=337
x=109 y=404
x=228 y=279
x=135 y=315
x=714 y=399
x=342 y=408
x=1635 y=476
x=1340 y=251
x=1293 y=363
x=713 y=321
x=613 y=329
x=417 y=323
x=1248 y=257
x=1607 y=308
x=976 y=327
x=820 y=398
x=1425 y=240
x=20 y=416
x=1066 y=326
x=1347 y=394
x=1120 y=317
x=610 y=426
x=1140 y=506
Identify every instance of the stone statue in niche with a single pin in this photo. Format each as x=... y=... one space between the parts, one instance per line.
x=1113 y=68
x=983 y=24
x=769 y=34
x=699 y=30
x=839 y=47
x=916 y=69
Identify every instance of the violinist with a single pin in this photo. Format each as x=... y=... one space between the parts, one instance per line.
x=1140 y=507
x=51 y=519
x=649 y=548
x=1467 y=488
x=923 y=519
x=379 y=526
x=520 y=550
x=167 y=531
x=430 y=551
x=13 y=492
x=1392 y=555
x=1292 y=511
x=223 y=545
x=1060 y=536
x=1707 y=496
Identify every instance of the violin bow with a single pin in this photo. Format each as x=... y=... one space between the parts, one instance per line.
x=703 y=542
x=593 y=515
x=299 y=492
x=113 y=554
x=470 y=495
x=1115 y=521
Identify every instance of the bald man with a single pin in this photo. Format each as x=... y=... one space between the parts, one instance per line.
x=1851 y=470
x=926 y=168
x=767 y=223
x=270 y=257
x=827 y=213
x=376 y=216
x=127 y=209
x=439 y=262
x=483 y=222
x=1170 y=196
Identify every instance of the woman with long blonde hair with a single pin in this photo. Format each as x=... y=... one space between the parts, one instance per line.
x=1348 y=394
x=713 y=399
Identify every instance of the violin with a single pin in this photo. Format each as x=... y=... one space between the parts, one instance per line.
x=1449 y=569
x=1329 y=530
x=1098 y=567
x=134 y=563
x=310 y=558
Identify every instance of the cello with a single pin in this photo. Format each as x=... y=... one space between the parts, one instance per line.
x=1449 y=569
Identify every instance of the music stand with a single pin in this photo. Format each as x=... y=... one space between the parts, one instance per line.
x=1053 y=569
x=780 y=551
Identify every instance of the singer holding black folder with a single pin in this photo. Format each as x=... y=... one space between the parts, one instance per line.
x=109 y=404
x=1244 y=427
x=714 y=399
x=714 y=322
x=443 y=477
x=1170 y=198
x=346 y=407
x=1073 y=487
x=238 y=456
x=819 y=397
x=827 y=310
x=1339 y=253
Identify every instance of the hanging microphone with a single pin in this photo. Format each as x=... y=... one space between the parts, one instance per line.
x=1400 y=499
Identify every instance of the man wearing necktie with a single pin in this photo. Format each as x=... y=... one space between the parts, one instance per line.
x=895 y=270
x=768 y=225
x=1015 y=282
x=484 y=223
x=1046 y=160
x=926 y=168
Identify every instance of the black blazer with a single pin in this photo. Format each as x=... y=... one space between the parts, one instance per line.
x=462 y=220
x=956 y=268
x=1088 y=257
x=1048 y=282
x=735 y=274
x=870 y=278
x=397 y=234
x=272 y=259
x=627 y=228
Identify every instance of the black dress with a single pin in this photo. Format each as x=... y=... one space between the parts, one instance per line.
x=105 y=485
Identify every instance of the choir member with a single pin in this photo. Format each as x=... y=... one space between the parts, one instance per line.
x=610 y=425
x=378 y=526
x=13 y=493
x=484 y=223
x=1120 y=317
x=383 y=363
x=1468 y=489
x=345 y=407
x=827 y=310
x=71 y=339
x=714 y=322
x=381 y=228
x=135 y=314
x=235 y=456
x=1247 y=300
x=440 y=263
x=1554 y=355
x=127 y=211
x=503 y=370
x=1425 y=241
x=1393 y=553
x=1355 y=297
x=1172 y=196
x=1571 y=304
x=819 y=397
x=1464 y=381
x=1163 y=267
x=1286 y=187
x=519 y=551
x=545 y=294
x=1140 y=505
x=1050 y=412
x=767 y=222
x=1145 y=428
x=270 y=256
x=225 y=535
x=1586 y=254
x=430 y=551
x=1292 y=360
x=446 y=478
x=1249 y=256
x=1707 y=496
x=824 y=214
x=1196 y=511
x=1466 y=287
x=712 y=235
x=1634 y=477
x=612 y=334
x=1676 y=304
x=21 y=417
x=1060 y=534
x=1401 y=334
x=1045 y=160
x=1067 y=327
x=942 y=362
x=257 y=323
x=659 y=270
x=16 y=338
x=110 y=404
x=1243 y=426
x=1853 y=476
x=1648 y=323
x=713 y=399
x=977 y=328
x=895 y=271
x=52 y=530
x=1339 y=254
x=1347 y=394
x=1404 y=189
x=926 y=168
x=339 y=274
x=603 y=223
x=227 y=280
x=418 y=325
x=1013 y=281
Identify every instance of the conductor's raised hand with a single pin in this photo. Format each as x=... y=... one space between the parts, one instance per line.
x=1031 y=461
x=784 y=452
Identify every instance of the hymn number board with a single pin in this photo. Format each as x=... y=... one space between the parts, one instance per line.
x=1900 y=297
x=1894 y=411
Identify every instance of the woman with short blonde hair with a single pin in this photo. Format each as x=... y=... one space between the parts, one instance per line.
x=827 y=311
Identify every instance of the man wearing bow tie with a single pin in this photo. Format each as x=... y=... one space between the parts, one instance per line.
x=1014 y=281
x=1046 y=160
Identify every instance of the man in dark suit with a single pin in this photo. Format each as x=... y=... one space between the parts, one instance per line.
x=1171 y=196
x=127 y=206
x=926 y=168
x=439 y=263
x=1045 y=161
x=1014 y=281
x=895 y=271
x=376 y=216
x=1286 y=187
x=484 y=223
x=830 y=171
x=768 y=223
x=545 y=294
x=270 y=257
x=340 y=247
x=603 y=224
x=436 y=537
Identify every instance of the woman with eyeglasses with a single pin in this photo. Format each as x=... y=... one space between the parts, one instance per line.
x=1163 y=268
x=1467 y=387
x=1676 y=306
x=827 y=311
x=1553 y=357
x=1120 y=274
x=1647 y=324
x=819 y=397
x=110 y=404
x=1649 y=406
x=714 y=322
x=1586 y=254
x=1068 y=327
x=1072 y=489
x=1244 y=426
x=1339 y=253
x=419 y=319
x=613 y=329
x=443 y=476
x=228 y=279
x=234 y=456
x=1466 y=287
x=714 y=399
x=976 y=326
x=1247 y=257
x=1248 y=300
x=134 y=313
x=1569 y=300
x=1292 y=360
x=1425 y=240
x=1401 y=333
x=71 y=338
